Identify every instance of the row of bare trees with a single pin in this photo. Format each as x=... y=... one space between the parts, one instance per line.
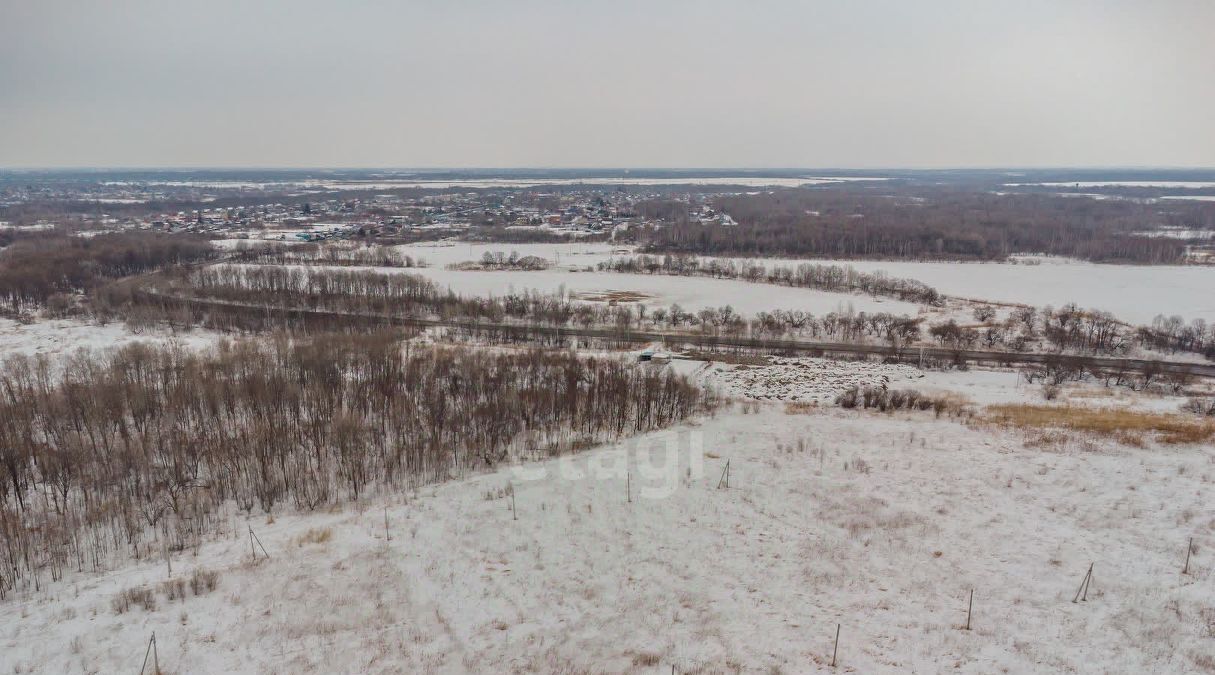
x=136 y=449
x=1075 y=330
x=340 y=254
x=832 y=278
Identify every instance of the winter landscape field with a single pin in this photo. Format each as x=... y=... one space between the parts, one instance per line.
x=638 y=557
x=607 y=338
x=265 y=454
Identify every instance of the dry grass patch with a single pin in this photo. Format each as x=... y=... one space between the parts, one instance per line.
x=646 y=659
x=314 y=536
x=801 y=407
x=1126 y=426
x=1089 y=392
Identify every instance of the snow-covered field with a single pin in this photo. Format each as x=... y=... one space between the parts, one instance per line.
x=880 y=523
x=55 y=337
x=1201 y=198
x=569 y=273
x=1134 y=293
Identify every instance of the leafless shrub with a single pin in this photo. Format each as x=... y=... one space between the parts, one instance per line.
x=1200 y=406
x=203 y=581
x=886 y=400
x=174 y=589
x=138 y=596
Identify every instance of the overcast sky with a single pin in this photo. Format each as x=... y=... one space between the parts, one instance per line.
x=598 y=83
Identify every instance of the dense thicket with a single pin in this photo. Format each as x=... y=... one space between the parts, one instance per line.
x=940 y=224
x=34 y=270
x=833 y=278
x=135 y=450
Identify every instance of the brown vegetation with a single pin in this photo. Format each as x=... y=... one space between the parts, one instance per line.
x=43 y=270
x=107 y=454
x=1123 y=425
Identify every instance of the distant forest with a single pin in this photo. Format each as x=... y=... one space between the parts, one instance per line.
x=944 y=224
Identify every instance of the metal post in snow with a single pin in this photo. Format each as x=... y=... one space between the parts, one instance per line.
x=835 y=650
x=1084 y=585
x=969 y=607
x=151 y=651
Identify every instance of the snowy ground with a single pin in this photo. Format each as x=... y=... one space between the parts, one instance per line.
x=882 y=523
x=55 y=337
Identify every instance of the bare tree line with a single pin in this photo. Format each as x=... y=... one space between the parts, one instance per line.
x=368 y=255
x=1075 y=330
x=832 y=278
x=134 y=450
